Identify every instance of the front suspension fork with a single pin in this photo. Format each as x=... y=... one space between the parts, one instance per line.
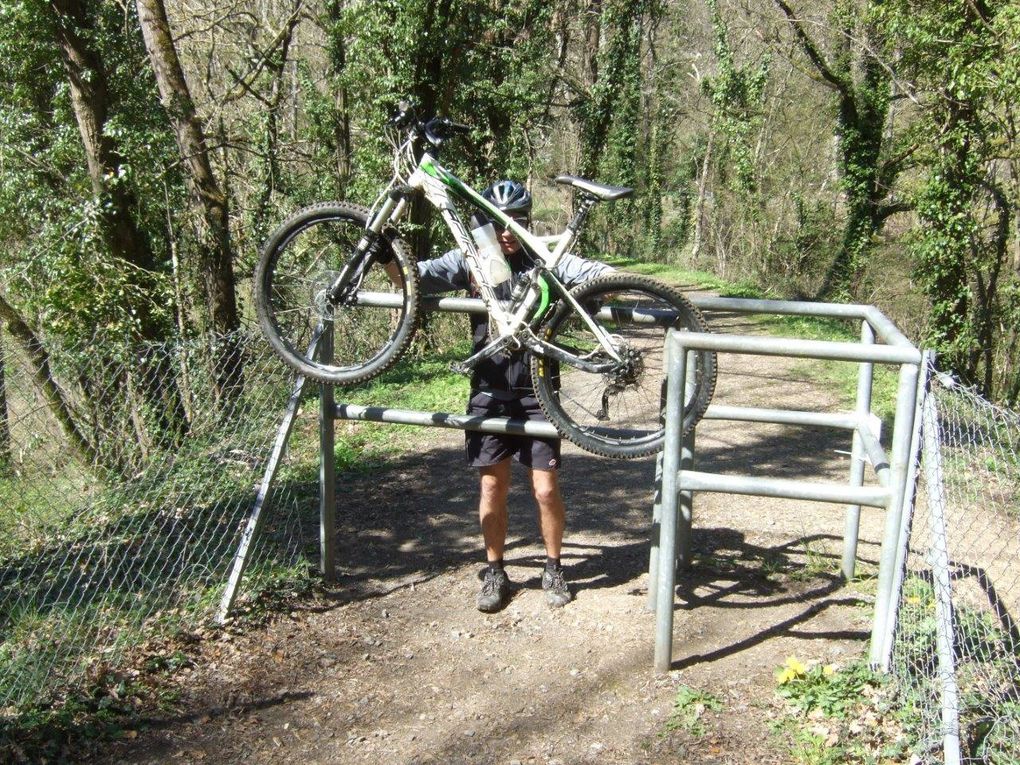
x=364 y=255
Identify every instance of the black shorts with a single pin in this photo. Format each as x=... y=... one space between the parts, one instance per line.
x=484 y=449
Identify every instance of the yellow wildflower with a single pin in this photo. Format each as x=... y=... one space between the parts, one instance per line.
x=792 y=669
x=796 y=665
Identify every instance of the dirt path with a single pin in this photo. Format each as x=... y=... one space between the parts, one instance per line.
x=397 y=666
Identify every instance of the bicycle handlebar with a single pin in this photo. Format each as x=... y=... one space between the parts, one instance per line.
x=435 y=130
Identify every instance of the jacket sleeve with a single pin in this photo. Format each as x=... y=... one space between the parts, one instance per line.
x=446 y=273
x=572 y=270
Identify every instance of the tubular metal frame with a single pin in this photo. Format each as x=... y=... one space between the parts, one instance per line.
x=680 y=480
x=676 y=479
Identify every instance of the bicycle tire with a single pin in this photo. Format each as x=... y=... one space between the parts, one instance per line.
x=299 y=262
x=621 y=414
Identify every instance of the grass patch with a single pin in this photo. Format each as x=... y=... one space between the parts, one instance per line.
x=986 y=657
x=838 y=715
x=422 y=383
x=818 y=562
x=689 y=708
x=675 y=275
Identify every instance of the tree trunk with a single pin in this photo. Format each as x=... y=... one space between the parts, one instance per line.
x=40 y=362
x=92 y=103
x=862 y=92
x=215 y=244
x=5 y=424
x=699 y=206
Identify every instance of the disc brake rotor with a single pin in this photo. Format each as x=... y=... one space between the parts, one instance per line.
x=320 y=291
x=626 y=374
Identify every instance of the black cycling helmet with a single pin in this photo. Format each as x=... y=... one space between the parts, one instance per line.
x=510 y=197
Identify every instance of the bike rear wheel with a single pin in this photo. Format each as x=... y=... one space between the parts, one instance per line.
x=620 y=413
x=298 y=265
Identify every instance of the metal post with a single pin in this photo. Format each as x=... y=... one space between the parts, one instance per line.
x=900 y=455
x=254 y=524
x=851 y=529
x=685 y=519
x=903 y=541
x=944 y=632
x=653 y=537
x=666 y=581
x=327 y=464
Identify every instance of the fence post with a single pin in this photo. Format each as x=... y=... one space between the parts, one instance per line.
x=900 y=454
x=327 y=463
x=262 y=501
x=903 y=543
x=852 y=524
x=685 y=519
x=666 y=581
x=656 y=529
x=939 y=559
x=685 y=505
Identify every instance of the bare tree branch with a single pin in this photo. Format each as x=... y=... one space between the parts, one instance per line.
x=811 y=50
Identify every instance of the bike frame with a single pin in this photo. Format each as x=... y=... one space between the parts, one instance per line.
x=513 y=322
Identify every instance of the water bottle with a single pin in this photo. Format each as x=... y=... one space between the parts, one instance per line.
x=489 y=252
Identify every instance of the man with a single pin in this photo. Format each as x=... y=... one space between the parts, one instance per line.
x=501 y=387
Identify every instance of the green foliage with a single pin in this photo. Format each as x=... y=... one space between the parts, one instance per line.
x=689 y=708
x=823 y=688
x=833 y=715
x=986 y=660
x=961 y=63
x=736 y=94
x=53 y=255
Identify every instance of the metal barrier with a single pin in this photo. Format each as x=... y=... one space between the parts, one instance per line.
x=676 y=478
x=680 y=480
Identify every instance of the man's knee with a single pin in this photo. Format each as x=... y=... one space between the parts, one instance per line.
x=545 y=487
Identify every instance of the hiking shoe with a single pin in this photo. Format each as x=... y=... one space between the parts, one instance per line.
x=555 y=585
x=495 y=591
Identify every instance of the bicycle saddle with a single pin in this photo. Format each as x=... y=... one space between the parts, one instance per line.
x=598 y=190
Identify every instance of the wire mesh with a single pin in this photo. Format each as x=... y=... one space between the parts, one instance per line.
x=126 y=477
x=964 y=549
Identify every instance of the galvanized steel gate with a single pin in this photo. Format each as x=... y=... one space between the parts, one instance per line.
x=677 y=480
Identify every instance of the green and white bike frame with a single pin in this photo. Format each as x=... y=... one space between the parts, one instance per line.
x=513 y=320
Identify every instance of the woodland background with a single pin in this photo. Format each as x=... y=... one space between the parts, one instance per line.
x=861 y=150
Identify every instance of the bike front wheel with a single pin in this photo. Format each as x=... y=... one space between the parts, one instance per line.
x=297 y=268
x=621 y=412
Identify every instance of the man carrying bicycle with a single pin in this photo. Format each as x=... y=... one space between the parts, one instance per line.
x=501 y=387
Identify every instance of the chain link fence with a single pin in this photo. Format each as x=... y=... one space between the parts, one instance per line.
x=126 y=477
x=956 y=652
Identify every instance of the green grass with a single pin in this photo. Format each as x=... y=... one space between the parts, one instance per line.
x=838 y=715
x=420 y=383
x=689 y=708
x=33 y=507
x=680 y=276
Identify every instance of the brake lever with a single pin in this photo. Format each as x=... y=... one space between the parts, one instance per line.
x=458 y=127
x=404 y=116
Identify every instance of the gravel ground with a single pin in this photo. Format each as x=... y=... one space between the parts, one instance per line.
x=396 y=665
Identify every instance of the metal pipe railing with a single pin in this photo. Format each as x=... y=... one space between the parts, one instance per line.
x=884 y=329
x=852 y=521
x=445 y=420
x=783 y=488
x=679 y=480
x=891 y=471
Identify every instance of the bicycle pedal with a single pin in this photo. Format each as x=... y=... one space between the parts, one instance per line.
x=460 y=368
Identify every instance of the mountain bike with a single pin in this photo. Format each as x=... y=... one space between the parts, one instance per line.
x=597 y=351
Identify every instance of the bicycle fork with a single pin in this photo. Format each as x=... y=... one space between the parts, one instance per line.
x=349 y=280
